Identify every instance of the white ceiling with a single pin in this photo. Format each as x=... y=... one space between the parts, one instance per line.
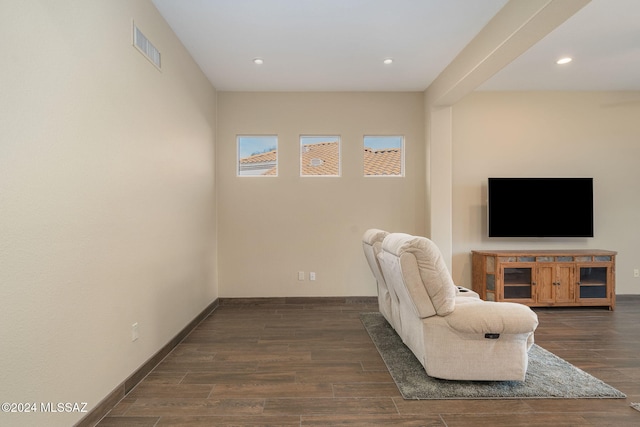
x=339 y=45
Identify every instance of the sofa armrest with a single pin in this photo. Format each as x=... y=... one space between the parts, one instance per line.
x=485 y=317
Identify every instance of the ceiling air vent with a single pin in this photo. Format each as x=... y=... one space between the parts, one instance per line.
x=142 y=43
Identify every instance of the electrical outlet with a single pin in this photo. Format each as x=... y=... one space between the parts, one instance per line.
x=312 y=275
x=300 y=275
x=636 y=272
x=134 y=332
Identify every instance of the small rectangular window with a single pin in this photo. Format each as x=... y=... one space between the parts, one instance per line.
x=257 y=155
x=320 y=156
x=383 y=156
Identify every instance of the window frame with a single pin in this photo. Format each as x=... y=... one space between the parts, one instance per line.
x=257 y=137
x=329 y=138
x=402 y=148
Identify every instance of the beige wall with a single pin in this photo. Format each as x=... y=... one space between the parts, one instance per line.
x=271 y=228
x=106 y=199
x=579 y=134
x=108 y=205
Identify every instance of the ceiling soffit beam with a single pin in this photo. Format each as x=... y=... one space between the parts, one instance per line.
x=513 y=30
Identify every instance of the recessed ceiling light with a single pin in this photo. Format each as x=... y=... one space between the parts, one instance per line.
x=388 y=61
x=564 y=60
x=258 y=61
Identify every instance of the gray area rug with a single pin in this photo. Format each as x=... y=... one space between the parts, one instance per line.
x=548 y=376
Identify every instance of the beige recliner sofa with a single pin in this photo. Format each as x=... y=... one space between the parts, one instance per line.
x=388 y=301
x=454 y=336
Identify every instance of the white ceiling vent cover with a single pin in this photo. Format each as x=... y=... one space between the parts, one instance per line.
x=142 y=43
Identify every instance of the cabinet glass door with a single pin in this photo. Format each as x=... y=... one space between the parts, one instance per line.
x=517 y=283
x=593 y=282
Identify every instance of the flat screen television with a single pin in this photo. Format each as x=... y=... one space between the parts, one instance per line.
x=540 y=207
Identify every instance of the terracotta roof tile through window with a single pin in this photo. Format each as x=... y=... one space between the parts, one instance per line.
x=323 y=159
x=383 y=162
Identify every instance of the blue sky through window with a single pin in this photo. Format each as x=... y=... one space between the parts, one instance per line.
x=304 y=140
x=382 y=142
x=248 y=145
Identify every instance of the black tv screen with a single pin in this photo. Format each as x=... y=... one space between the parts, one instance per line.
x=540 y=207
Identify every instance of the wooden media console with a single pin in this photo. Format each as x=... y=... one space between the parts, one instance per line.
x=546 y=278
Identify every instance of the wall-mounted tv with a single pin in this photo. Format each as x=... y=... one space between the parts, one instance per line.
x=540 y=207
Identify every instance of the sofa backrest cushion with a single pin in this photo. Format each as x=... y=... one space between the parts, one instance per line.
x=425 y=273
x=372 y=245
x=403 y=279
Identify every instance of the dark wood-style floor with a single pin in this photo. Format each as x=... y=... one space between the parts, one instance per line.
x=309 y=362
